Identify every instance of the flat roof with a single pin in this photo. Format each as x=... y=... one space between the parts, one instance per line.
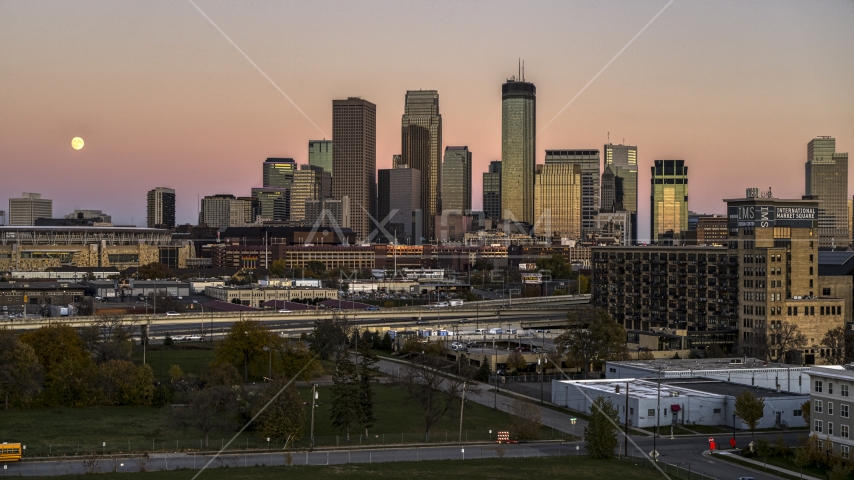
x=673 y=389
x=694 y=364
x=18 y=285
x=10 y=228
x=719 y=387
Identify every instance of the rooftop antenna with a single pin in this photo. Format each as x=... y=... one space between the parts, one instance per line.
x=609 y=138
x=523 y=70
x=520 y=69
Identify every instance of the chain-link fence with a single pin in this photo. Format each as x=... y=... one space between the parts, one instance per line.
x=682 y=471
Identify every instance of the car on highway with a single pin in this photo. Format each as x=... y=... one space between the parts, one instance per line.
x=172 y=314
x=283 y=310
x=421 y=322
x=464 y=320
x=372 y=309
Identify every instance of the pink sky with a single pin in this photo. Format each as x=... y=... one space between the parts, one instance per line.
x=163 y=99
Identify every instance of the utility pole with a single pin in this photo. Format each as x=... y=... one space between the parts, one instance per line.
x=626 y=439
x=313 y=400
x=462 y=404
x=657 y=416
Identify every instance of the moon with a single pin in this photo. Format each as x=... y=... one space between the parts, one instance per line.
x=77 y=143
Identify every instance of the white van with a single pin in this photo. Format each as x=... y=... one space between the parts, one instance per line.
x=480 y=331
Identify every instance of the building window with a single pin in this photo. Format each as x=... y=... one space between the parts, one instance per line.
x=650 y=412
x=830 y=388
x=843 y=431
x=797 y=413
x=717 y=410
x=818 y=406
x=845 y=450
x=843 y=411
x=843 y=390
x=830 y=428
x=818 y=428
x=830 y=408
x=818 y=386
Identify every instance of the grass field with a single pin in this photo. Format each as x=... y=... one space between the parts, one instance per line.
x=192 y=358
x=581 y=468
x=67 y=431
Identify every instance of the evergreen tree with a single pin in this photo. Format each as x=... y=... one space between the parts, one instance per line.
x=386 y=342
x=600 y=435
x=367 y=372
x=345 y=395
x=484 y=371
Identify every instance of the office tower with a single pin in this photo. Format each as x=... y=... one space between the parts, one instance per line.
x=456 y=180
x=623 y=160
x=329 y=212
x=400 y=196
x=92 y=215
x=320 y=154
x=223 y=211
x=588 y=160
x=557 y=200
x=397 y=161
x=161 y=208
x=775 y=243
x=518 y=149
x=279 y=172
x=492 y=191
x=354 y=160
x=668 y=198
x=308 y=185
x=25 y=210
x=2 y=217
x=609 y=194
x=827 y=179
x=251 y=209
x=275 y=203
x=421 y=147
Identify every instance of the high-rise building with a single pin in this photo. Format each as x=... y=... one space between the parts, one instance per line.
x=668 y=198
x=161 y=208
x=588 y=160
x=456 y=180
x=275 y=203
x=400 y=197
x=354 y=160
x=421 y=149
x=609 y=186
x=492 y=191
x=328 y=212
x=224 y=210
x=557 y=200
x=308 y=185
x=251 y=209
x=397 y=161
x=320 y=154
x=623 y=160
x=28 y=208
x=518 y=149
x=827 y=180
x=279 y=172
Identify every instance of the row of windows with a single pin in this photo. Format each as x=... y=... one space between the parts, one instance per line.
x=810 y=310
x=819 y=386
x=819 y=427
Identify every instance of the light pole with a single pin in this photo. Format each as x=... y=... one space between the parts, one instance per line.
x=313 y=400
x=657 y=416
x=270 y=351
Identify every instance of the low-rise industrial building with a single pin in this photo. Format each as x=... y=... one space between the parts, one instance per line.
x=16 y=296
x=127 y=289
x=255 y=296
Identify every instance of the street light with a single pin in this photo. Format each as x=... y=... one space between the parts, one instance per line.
x=314 y=397
x=270 y=350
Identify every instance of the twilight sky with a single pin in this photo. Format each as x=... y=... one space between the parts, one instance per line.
x=161 y=98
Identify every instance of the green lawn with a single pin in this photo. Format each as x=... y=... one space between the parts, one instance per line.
x=777 y=462
x=193 y=358
x=67 y=431
x=581 y=468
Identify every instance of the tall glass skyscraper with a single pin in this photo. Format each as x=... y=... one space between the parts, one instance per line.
x=588 y=160
x=557 y=199
x=421 y=148
x=623 y=160
x=668 y=198
x=518 y=149
x=492 y=191
x=279 y=172
x=354 y=160
x=456 y=180
x=827 y=178
x=320 y=154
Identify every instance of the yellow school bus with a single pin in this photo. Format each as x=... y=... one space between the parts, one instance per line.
x=10 y=452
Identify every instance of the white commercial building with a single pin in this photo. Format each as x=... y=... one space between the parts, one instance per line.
x=742 y=371
x=690 y=401
x=28 y=208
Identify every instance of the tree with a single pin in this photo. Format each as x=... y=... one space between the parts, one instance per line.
x=283 y=419
x=161 y=301
x=108 y=338
x=345 y=395
x=763 y=449
x=516 y=361
x=208 y=409
x=245 y=344
x=591 y=338
x=55 y=344
x=277 y=269
x=72 y=383
x=526 y=421
x=20 y=372
x=116 y=382
x=840 y=471
x=367 y=372
x=557 y=265
x=143 y=392
x=386 y=343
x=428 y=388
x=291 y=357
x=750 y=409
x=315 y=267
x=805 y=412
x=326 y=337
x=600 y=435
x=646 y=355
x=484 y=371
x=221 y=375
x=154 y=271
x=801 y=458
x=175 y=373
x=834 y=343
x=784 y=340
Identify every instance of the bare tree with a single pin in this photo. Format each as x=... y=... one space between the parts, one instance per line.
x=208 y=409
x=834 y=346
x=527 y=420
x=785 y=341
x=108 y=337
x=431 y=389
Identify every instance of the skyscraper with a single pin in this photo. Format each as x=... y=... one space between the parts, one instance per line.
x=557 y=200
x=827 y=179
x=623 y=160
x=308 y=185
x=456 y=180
x=492 y=191
x=28 y=208
x=588 y=160
x=400 y=197
x=421 y=147
x=518 y=149
x=608 y=204
x=279 y=172
x=320 y=154
x=161 y=208
x=668 y=198
x=275 y=203
x=224 y=210
x=354 y=160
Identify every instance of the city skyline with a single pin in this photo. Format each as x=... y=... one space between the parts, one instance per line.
x=743 y=113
